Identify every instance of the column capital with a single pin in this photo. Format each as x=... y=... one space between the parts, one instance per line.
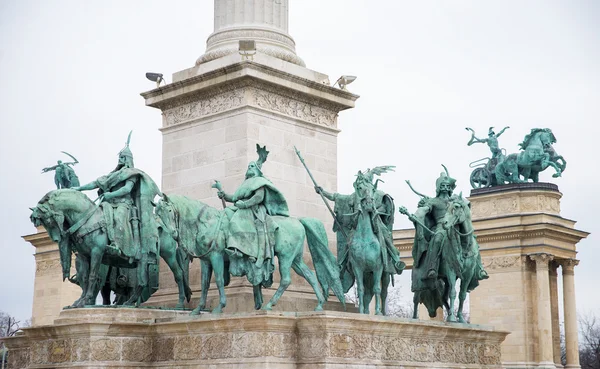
x=541 y=260
x=568 y=265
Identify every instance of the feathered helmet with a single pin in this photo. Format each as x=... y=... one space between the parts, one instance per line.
x=125 y=155
x=444 y=178
x=262 y=157
x=491 y=131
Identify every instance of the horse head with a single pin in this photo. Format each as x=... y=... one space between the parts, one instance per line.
x=45 y=215
x=168 y=215
x=458 y=212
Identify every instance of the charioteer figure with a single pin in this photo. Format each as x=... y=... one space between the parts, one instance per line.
x=491 y=141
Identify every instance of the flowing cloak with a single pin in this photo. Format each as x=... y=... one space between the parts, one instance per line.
x=143 y=193
x=346 y=204
x=242 y=234
x=448 y=250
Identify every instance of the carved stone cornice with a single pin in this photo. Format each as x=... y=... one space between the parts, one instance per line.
x=228 y=78
x=254 y=94
x=541 y=260
x=518 y=233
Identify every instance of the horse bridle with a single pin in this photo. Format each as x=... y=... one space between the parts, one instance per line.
x=171 y=232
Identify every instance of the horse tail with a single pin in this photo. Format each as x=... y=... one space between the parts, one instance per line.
x=184 y=264
x=326 y=267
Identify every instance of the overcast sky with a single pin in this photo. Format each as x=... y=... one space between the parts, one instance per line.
x=71 y=73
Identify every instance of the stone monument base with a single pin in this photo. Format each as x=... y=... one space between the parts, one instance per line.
x=152 y=338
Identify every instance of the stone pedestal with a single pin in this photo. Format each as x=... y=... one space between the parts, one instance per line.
x=118 y=338
x=523 y=240
x=50 y=293
x=216 y=112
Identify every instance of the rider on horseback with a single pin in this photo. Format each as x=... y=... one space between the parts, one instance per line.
x=251 y=233
x=430 y=214
x=127 y=194
x=382 y=224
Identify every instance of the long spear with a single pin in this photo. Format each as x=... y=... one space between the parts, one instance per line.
x=335 y=219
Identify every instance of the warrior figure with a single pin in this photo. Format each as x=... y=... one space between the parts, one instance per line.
x=491 y=141
x=427 y=248
x=251 y=230
x=64 y=175
x=382 y=223
x=127 y=194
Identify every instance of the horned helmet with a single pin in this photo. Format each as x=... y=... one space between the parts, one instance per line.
x=125 y=156
x=254 y=168
x=444 y=178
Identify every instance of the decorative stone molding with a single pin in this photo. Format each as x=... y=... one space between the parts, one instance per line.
x=541 y=260
x=234 y=341
x=502 y=262
x=45 y=267
x=250 y=34
x=204 y=107
x=250 y=93
x=568 y=266
x=293 y=108
x=517 y=203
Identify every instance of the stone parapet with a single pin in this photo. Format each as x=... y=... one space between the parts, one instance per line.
x=161 y=339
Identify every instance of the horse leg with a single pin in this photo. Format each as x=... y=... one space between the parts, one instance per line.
x=451 y=296
x=303 y=270
x=205 y=272
x=416 y=305
x=216 y=260
x=95 y=262
x=360 y=288
x=167 y=253
x=258 y=296
x=285 y=268
x=377 y=275
x=468 y=275
x=82 y=266
x=385 y=282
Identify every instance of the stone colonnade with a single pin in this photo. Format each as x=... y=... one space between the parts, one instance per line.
x=547 y=309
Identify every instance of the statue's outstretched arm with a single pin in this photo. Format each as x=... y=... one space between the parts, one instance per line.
x=328 y=195
x=49 y=168
x=257 y=198
x=502 y=131
x=87 y=187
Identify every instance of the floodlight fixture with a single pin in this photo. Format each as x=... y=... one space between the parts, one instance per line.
x=247 y=48
x=343 y=81
x=155 y=77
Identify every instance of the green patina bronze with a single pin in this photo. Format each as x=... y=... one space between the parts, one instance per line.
x=365 y=247
x=536 y=156
x=250 y=233
x=64 y=175
x=121 y=231
x=445 y=249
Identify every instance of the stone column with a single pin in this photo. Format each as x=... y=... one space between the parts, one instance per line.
x=553 y=266
x=262 y=21
x=571 y=340
x=545 y=357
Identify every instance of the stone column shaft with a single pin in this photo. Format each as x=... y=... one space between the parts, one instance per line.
x=544 y=312
x=553 y=266
x=571 y=339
